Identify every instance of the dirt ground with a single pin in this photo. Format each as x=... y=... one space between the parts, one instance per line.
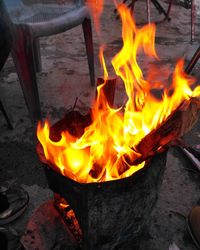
x=64 y=78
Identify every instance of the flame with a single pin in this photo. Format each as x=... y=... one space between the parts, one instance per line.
x=103 y=63
x=96 y=9
x=100 y=153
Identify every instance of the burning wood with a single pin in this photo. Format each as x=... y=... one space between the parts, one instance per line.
x=176 y=125
x=108 y=89
x=69 y=217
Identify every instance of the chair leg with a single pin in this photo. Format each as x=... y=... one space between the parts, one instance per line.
x=193 y=61
x=4 y=53
x=148 y=11
x=37 y=55
x=87 y=30
x=24 y=61
x=5 y=48
x=4 y=109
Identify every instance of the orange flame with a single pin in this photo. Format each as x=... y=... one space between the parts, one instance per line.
x=99 y=155
x=96 y=9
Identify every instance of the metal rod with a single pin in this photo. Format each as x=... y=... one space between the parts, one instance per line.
x=193 y=61
x=191 y=157
x=193 y=20
x=148 y=11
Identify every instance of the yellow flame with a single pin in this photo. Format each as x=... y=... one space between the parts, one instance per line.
x=101 y=152
x=103 y=63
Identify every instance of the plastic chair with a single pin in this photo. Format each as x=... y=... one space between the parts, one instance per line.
x=31 y=19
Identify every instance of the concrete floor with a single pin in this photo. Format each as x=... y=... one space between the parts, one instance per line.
x=64 y=78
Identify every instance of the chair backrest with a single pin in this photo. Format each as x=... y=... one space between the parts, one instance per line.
x=43 y=17
x=80 y=2
x=22 y=11
x=33 y=11
x=32 y=2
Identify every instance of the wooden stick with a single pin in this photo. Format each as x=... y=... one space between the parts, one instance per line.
x=108 y=89
x=176 y=125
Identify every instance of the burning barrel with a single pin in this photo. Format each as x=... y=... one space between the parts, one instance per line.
x=111 y=214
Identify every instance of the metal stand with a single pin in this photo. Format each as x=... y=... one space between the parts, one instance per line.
x=156 y=4
x=161 y=10
x=193 y=17
x=193 y=61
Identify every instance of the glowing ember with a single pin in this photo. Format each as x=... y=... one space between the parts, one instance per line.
x=70 y=219
x=99 y=155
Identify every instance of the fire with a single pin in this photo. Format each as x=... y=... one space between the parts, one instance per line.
x=101 y=153
x=96 y=9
